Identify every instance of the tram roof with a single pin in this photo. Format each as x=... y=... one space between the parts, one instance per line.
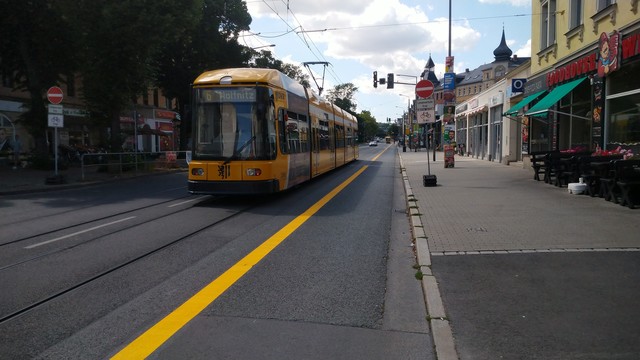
x=246 y=76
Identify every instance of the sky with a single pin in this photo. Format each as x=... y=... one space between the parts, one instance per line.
x=357 y=37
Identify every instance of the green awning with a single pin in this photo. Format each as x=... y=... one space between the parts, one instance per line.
x=542 y=107
x=514 y=109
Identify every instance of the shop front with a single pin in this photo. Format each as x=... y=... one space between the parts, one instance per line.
x=590 y=102
x=622 y=100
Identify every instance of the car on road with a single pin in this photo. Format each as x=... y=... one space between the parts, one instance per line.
x=373 y=143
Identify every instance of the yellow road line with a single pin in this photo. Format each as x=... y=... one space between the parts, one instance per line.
x=380 y=154
x=154 y=337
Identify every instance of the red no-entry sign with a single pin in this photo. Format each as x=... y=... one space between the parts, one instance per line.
x=424 y=88
x=54 y=95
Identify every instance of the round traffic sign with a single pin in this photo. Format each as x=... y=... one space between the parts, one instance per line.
x=54 y=95
x=424 y=88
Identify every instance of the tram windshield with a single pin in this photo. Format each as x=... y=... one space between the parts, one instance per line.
x=234 y=124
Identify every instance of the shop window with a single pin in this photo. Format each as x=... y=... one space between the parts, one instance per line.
x=623 y=109
x=624 y=122
x=624 y=79
x=574 y=124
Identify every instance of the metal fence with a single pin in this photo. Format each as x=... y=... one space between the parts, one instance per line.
x=133 y=162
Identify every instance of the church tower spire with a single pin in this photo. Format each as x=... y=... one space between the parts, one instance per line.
x=502 y=52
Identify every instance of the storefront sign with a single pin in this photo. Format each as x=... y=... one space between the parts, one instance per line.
x=574 y=69
x=608 y=47
x=631 y=46
x=496 y=99
x=535 y=85
x=597 y=112
x=165 y=114
x=517 y=85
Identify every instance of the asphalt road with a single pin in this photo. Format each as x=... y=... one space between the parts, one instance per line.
x=110 y=261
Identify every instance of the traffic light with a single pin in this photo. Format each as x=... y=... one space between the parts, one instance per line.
x=390 y=81
x=375 y=79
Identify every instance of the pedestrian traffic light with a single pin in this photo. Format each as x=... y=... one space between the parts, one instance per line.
x=390 y=81
x=375 y=79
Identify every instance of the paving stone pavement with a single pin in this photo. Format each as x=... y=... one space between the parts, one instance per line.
x=483 y=206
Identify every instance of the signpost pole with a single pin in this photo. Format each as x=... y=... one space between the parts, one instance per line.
x=55 y=150
x=56 y=120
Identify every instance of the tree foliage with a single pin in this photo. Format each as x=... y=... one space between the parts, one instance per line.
x=120 y=43
x=264 y=59
x=367 y=125
x=37 y=48
x=209 y=40
x=118 y=48
x=342 y=95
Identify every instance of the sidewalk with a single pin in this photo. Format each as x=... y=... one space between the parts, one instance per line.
x=509 y=263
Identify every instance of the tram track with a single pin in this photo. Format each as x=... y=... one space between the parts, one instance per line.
x=106 y=272
x=87 y=222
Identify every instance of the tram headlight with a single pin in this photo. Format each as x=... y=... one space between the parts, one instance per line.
x=197 y=171
x=254 y=172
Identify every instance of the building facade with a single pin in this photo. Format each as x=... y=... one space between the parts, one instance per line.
x=481 y=130
x=155 y=128
x=584 y=70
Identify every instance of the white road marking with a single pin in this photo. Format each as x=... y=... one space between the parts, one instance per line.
x=188 y=201
x=77 y=233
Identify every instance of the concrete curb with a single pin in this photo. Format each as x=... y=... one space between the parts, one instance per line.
x=440 y=327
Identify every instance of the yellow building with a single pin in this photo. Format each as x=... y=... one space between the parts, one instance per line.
x=585 y=62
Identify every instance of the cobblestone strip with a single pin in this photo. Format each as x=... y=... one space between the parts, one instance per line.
x=440 y=327
x=493 y=252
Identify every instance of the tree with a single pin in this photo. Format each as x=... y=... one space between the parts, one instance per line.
x=264 y=59
x=37 y=47
x=209 y=41
x=367 y=125
x=393 y=130
x=342 y=95
x=120 y=43
x=296 y=73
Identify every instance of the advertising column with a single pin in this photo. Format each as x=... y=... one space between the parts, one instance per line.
x=448 y=117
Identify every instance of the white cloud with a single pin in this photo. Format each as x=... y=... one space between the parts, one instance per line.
x=524 y=50
x=523 y=3
x=389 y=36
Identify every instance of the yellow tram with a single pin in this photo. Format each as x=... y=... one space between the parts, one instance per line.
x=257 y=131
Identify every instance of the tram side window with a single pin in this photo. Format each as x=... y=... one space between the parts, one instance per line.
x=271 y=130
x=323 y=133
x=282 y=131
x=339 y=136
x=294 y=132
